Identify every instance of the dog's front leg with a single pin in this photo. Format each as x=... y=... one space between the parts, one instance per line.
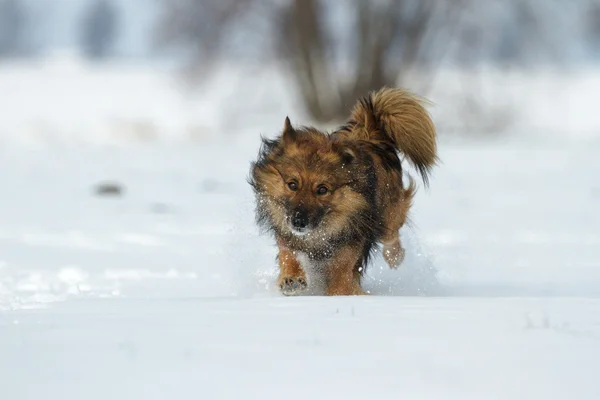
x=292 y=278
x=342 y=274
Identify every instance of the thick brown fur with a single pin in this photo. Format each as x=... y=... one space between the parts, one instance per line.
x=331 y=198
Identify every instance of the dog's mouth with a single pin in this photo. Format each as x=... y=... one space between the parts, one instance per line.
x=301 y=228
x=299 y=232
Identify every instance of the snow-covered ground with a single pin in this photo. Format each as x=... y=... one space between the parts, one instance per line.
x=167 y=290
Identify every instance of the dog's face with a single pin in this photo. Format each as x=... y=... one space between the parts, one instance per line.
x=306 y=194
x=308 y=185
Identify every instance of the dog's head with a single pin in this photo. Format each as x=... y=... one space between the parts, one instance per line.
x=308 y=185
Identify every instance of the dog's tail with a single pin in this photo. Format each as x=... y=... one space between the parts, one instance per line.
x=397 y=117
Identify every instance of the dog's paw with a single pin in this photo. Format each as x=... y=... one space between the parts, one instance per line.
x=291 y=286
x=393 y=255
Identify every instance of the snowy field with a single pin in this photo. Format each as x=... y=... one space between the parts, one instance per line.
x=167 y=290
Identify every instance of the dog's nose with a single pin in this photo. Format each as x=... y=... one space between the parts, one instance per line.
x=300 y=220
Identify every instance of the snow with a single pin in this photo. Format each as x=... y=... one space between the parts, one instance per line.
x=383 y=348
x=168 y=290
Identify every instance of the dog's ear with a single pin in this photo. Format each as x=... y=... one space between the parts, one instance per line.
x=348 y=155
x=289 y=133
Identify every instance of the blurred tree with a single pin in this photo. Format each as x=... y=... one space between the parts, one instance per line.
x=592 y=27
x=338 y=50
x=12 y=28
x=99 y=29
x=529 y=35
x=331 y=63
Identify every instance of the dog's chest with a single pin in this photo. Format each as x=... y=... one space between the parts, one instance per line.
x=314 y=269
x=308 y=263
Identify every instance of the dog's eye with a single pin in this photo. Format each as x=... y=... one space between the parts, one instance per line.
x=293 y=186
x=321 y=190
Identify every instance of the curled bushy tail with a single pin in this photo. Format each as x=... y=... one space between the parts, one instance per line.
x=399 y=117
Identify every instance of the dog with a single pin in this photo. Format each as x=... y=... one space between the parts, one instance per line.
x=331 y=199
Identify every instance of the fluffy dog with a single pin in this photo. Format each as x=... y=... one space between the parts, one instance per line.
x=331 y=198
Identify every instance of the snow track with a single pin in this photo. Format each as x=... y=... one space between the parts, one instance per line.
x=297 y=348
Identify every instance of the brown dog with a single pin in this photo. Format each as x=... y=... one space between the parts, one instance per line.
x=329 y=199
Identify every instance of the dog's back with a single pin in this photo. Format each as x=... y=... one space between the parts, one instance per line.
x=398 y=118
x=389 y=121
